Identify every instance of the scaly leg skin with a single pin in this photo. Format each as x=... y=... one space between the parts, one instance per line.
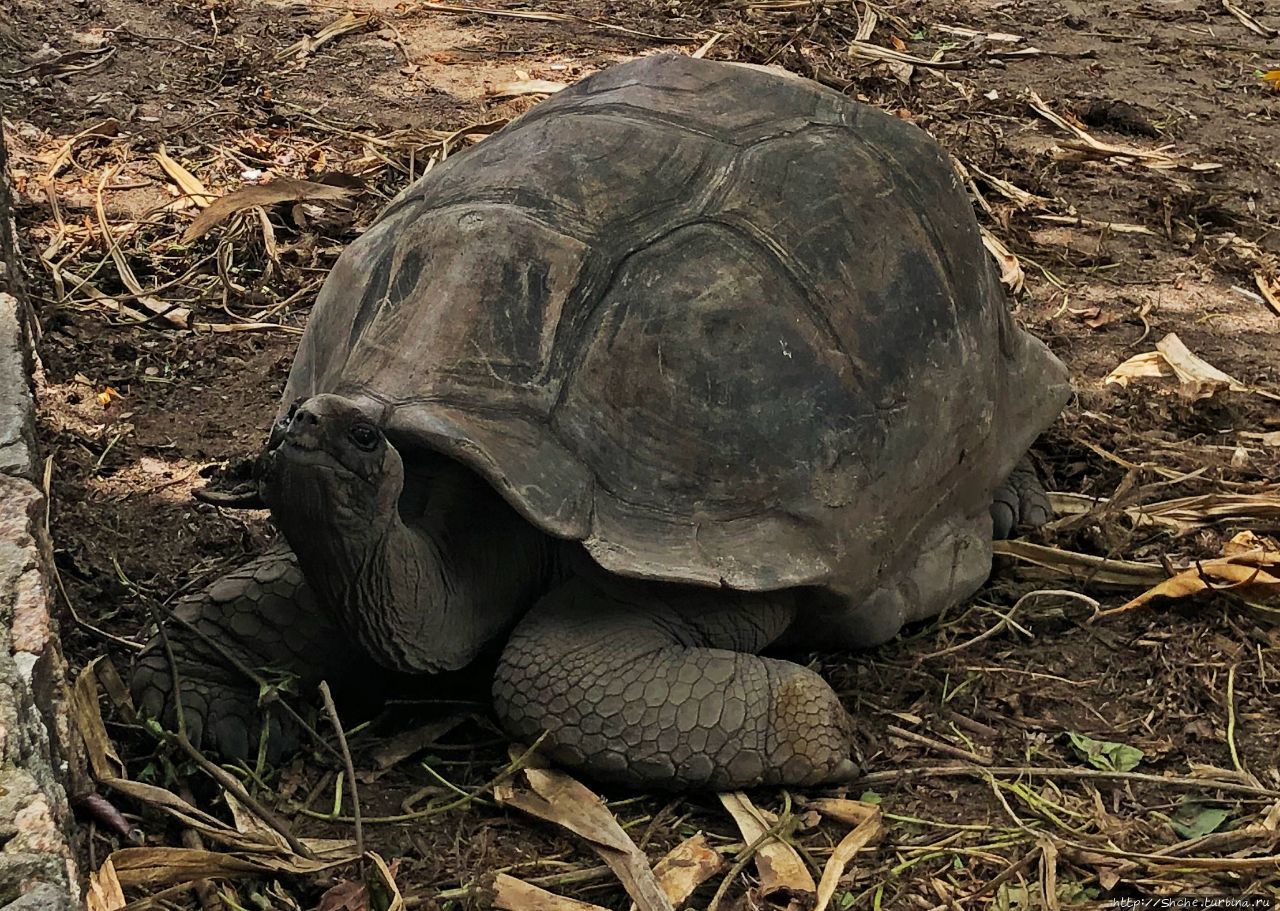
x=1020 y=502
x=656 y=686
x=268 y=618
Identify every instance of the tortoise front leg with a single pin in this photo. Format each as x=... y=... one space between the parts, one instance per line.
x=1020 y=502
x=264 y=616
x=658 y=686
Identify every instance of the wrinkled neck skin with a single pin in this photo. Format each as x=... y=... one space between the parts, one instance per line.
x=423 y=595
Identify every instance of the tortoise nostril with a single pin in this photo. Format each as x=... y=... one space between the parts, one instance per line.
x=305 y=419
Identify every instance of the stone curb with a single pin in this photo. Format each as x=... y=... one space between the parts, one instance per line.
x=37 y=864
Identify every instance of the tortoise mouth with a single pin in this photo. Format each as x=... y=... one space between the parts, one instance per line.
x=308 y=489
x=295 y=454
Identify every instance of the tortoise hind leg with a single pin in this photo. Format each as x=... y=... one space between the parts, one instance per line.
x=1020 y=502
x=266 y=617
x=655 y=685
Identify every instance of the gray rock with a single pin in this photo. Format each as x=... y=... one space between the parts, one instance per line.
x=37 y=865
x=17 y=425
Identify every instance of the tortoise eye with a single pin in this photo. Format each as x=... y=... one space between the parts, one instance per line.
x=365 y=436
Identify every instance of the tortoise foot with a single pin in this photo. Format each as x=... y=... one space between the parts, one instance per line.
x=220 y=716
x=639 y=686
x=260 y=622
x=1021 y=502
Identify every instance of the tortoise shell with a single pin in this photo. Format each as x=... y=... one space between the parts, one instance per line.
x=721 y=325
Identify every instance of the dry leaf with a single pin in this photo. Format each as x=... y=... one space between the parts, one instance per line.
x=1049 y=873
x=1197 y=378
x=849 y=812
x=707 y=45
x=249 y=825
x=1011 y=274
x=347 y=895
x=525 y=87
x=1250 y=573
x=1081 y=567
x=1249 y=22
x=1085 y=146
x=159 y=868
x=997 y=37
x=868 y=51
x=1186 y=514
x=348 y=22
x=903 y=72
x=104 y=892
x=511 y=894
x=104 y=130
x=1246 y=543
x=560 y=799
x=1148 y=365
x=183 y=812
x=1011 y=191
x=867 y=831
x=381 y=880
x=86 y=721
x=687 y=866
x=784 y=878
x=1272 y=78
x=285 y=189
x=1268 y=287
x=395 y=750
x=187 y=182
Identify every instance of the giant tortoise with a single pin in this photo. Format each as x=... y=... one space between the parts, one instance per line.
x=690 y=361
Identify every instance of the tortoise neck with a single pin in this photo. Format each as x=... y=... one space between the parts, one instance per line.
x=426 y=595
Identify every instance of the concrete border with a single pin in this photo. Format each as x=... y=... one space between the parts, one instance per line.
x=37 y=864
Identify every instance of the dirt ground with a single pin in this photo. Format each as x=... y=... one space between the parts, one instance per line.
x=1148 y=209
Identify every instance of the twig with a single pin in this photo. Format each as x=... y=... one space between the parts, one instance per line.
x=191 y=839
x=508 y=770
x=1006 y=620
x=225 y=654
x=212 y=769
x=79 y=621
x=332 y=710
x=549 y=17
x=232 y=784
x=1231 y=721
x=937 y=745
x=572 y=878
x=141 y=37
x=1249 y=22
x=1184 y=782
x=103 y=130
x=1006 y=874
x=743 y=859
x=173 y=670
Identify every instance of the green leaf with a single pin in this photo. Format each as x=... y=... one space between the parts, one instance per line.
x=1194 y=820
x=870 y=797
x=846 y=900
x=1107 y=755
x=1015 y=896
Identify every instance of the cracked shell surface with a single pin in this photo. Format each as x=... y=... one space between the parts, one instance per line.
x=721 y=325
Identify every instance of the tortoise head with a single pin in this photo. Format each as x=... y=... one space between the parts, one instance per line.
x=328 y=468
